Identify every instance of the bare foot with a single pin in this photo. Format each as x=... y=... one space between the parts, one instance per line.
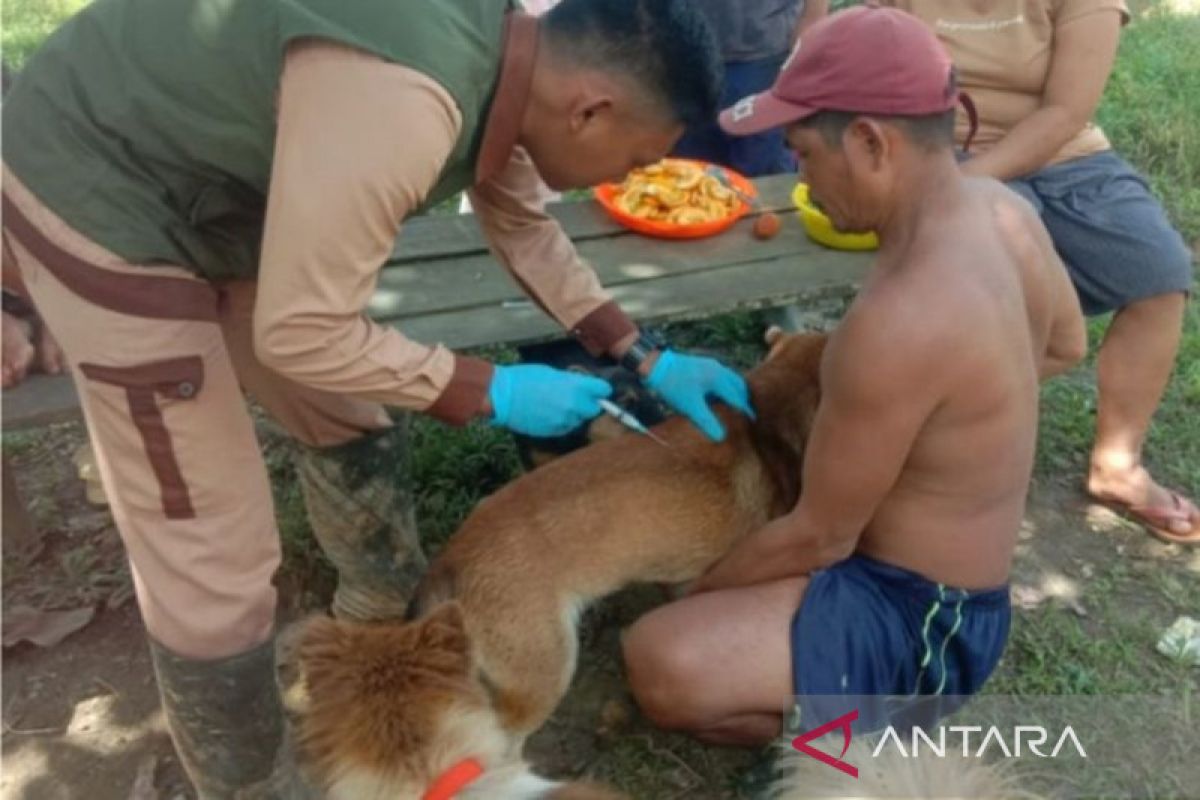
x=18 y=352
x=1160 y=509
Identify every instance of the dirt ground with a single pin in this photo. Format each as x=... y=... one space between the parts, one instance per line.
x=81 y=719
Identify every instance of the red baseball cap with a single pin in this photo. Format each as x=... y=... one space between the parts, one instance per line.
x=867 y=60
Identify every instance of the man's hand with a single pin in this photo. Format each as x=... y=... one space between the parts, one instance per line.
x=686 y=382
x=785 y=547
x=537 y=400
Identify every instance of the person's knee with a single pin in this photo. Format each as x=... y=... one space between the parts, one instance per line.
x=214 y=624
x=665 y=675
x=1155 y=315
x=1167 y=304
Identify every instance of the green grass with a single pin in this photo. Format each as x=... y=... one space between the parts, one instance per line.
x=27 y=23
x=18 y=443
x=1054 y=652
x=454 y=469
x=1151 y=107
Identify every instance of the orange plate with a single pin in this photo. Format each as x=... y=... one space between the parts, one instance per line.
x=606 y=193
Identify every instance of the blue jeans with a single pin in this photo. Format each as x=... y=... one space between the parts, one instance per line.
x=761 y=154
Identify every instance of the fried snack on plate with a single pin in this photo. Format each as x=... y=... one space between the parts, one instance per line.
x=677 y=192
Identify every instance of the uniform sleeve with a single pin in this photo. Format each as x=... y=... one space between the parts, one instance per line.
x=531 y=245
x=359 y=144
x=1068 y=10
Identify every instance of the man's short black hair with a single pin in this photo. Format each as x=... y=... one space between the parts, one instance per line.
x=930 y=132
x=664 y=46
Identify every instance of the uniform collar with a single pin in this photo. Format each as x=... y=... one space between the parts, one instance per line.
x=512 y=94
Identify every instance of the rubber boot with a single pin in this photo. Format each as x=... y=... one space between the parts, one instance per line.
x=227 y=722
x=361 y=512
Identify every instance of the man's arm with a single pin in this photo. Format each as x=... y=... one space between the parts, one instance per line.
x=1085 y=46
x=360 y=142
x=535 y=250
x=878 y=387
x=1059 y=336
x=1066 y=343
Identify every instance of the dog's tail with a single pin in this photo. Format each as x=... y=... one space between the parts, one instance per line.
x=437 y=587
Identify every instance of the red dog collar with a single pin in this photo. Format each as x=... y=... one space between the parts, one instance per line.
x=454 y=780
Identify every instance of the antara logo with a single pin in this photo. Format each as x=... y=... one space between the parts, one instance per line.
x=801 y=743
x=1032 y=737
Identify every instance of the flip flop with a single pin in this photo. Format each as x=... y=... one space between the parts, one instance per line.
x=1157 y=519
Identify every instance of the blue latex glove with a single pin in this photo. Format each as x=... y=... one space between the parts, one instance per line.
x=537 y=400
x=686 y=382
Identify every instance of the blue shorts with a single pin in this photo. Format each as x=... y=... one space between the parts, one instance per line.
x=761 y=154
x=1110 y=231
x=866 y=628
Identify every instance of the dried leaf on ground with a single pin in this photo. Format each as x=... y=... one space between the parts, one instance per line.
x=143 y=782
x=43 y=628
x=1026 y=597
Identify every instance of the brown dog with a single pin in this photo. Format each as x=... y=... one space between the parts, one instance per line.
x=397 y=712
x=395 y=706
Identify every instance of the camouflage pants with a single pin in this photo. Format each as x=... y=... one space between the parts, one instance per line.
x=359 y=501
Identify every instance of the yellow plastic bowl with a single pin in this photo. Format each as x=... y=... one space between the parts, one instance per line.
x=821 y=230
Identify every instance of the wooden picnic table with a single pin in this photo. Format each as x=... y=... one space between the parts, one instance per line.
x=442 y=285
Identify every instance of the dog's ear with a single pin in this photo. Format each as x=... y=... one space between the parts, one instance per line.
x=444 y=629
x=777 y=339
x=443 y=644
x=323 y=642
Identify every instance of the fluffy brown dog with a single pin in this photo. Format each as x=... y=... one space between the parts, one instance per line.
x=396 y=709
x=394 y=706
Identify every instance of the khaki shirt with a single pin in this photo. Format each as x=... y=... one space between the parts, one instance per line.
x=1003 y=57
x=360 y=143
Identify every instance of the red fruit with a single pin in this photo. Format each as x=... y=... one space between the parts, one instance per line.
x=767 y=226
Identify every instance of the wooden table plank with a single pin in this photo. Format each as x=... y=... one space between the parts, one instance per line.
x=760 y=284
x=438 y=236
x=39 y=400
x=477 y=280
x=441 y=236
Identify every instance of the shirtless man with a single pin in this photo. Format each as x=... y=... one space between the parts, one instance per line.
x=920 y=456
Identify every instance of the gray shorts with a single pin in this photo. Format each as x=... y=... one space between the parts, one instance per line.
x=1111 y=232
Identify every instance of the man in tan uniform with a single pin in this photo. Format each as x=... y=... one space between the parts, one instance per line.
x=199 y=196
